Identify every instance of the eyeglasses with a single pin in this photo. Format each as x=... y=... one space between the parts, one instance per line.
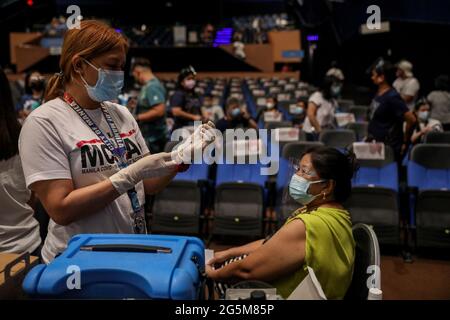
x=304 y=172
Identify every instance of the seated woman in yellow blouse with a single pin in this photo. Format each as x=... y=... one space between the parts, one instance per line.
x=317 y=235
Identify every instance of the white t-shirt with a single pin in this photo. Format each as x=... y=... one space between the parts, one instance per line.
x=55 y=143
x=19 y=230
x=325 y=112
x=407 y=87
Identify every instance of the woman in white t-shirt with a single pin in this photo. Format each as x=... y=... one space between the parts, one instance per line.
x=19 y=231
x=425 y=123
x=321 y=107
x=85 y=157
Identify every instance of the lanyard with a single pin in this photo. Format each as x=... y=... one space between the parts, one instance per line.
x=118 y=152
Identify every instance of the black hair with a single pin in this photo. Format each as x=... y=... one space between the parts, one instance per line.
x=28 y=89
x=326 y=85
x=184 y=73
x=232 y=101
x=9 y=126
x=207 y=95
x=420 y=102
x=141 y=62
x=442 y=83
x=332 y=164
x=385 y=68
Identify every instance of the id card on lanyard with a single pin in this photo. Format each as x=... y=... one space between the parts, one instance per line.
x=119 y=153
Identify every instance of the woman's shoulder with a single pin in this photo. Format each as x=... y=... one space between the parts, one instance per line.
x=316 y=97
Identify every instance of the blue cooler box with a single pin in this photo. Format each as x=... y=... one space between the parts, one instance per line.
x=119 y=266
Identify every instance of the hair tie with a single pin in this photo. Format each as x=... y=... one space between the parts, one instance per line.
x=59 y=74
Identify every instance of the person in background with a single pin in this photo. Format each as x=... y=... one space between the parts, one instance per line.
x=321 y=108
x=405 y=84
x=424 y=123
x=439 y=99
x=299 y=112
x=211 y=111
x=239 y=46
x=389 y=111
x=185 y=104
x=317 y=235
x=34 y=93
x=150 y=111
x=271 y=108
x=235 y=117
x=19 y=230
x=207 y=35
x=335 y=71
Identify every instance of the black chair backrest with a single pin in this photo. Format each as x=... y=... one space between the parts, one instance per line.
x=278 y=124
x=367 y=261
x=437 y=137
x=296 y=149
x=337 y=138
x=432 y=155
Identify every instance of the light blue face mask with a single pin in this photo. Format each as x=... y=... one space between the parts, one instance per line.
x=235 y=112
x=108 y=86
x=298 y=189
x=298 y=110
x=336 y=90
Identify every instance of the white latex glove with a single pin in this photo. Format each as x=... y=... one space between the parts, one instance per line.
x=197 y=142
x=151 y=166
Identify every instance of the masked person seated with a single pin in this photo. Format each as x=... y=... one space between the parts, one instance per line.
x=425 y=124
x=299 y=112
x=211 y=111
x=34 y=93
x=271 y=109
x=317 y=235
x=235 y=117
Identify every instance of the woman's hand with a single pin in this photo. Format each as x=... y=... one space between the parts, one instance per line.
x=220 y=257
x=210 y=272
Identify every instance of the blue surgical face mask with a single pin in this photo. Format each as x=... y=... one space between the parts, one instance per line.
x=423 y=115
x=235 y=112
x=298 y=110
x=108 y=86
x=298 y=189
x=335 y=90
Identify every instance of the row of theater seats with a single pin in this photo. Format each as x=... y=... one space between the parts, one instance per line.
x=241 y=196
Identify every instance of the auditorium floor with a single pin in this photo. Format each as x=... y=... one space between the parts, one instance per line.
x=423 y=279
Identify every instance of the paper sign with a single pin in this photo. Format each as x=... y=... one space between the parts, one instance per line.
x=274 y=90
x=287 y=134
x=261 y=101
x=209 y=254
x=236 y=95
x=289 y=87
x=216 y=93
x=259 y=93
x=369 y=150
x=343 y=118
x=272 y=117
x=284 y=97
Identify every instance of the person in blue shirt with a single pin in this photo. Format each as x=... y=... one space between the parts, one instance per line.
x=389 y=112
x=150 y=111
x=185 y=104
x=34 y=92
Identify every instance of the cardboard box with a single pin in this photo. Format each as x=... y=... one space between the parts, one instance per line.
x=13 y=268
